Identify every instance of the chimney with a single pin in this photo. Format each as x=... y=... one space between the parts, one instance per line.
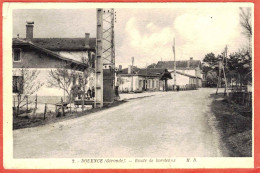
x=120 y=67
x=87 y=39
x=129 y=69
x=29 y=30
x=191 y=59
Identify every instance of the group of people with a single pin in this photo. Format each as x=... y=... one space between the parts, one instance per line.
x=91 y=92
x=77 y=91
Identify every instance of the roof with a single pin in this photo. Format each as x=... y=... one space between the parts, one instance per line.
x=32 y=45
x=148 y=72
x=125 y=70
x=151 y=71
x=188 y=64
x=188 y=75
x=59 y=44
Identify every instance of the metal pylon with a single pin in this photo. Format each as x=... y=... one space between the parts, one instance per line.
x=108 y=44
x=105 y=51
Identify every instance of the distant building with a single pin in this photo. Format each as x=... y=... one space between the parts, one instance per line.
x=187 y=72
x=145 y=79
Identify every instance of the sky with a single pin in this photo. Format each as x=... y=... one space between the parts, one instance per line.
x=145 y=33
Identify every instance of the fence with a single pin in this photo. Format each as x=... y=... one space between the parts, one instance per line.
x=44 y=107
x=242 y=97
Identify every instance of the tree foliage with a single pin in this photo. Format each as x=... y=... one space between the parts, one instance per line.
x=27 y=86
x=153 y=65
x=210 y=60
x=237 y=66
x=212 y=77
x=245 y=20
x=69 y=79
x=240 y=66
x=62 y=77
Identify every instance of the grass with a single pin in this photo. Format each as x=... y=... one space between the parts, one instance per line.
x=235 y=124
x=38 y=120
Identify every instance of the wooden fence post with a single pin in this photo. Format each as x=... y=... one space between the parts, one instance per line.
x=45 y=111
x=36 y=102
x=35 y=107
x=26 y=105
x=14 y=108
x=82 y=101
x=62 y=107
x=70 y=101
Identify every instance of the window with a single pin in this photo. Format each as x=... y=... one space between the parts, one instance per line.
x=17 y=54
x=17 y=84
x=140 y=84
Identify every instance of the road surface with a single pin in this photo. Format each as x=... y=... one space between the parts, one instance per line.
x=172 y=124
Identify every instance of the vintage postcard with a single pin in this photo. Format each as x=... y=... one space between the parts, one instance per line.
x=128 y=85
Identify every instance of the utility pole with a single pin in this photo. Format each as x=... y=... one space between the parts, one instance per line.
x=146 y=79
x=221 y=67
x=132 y=79
x=174 y=63
x=226 y=89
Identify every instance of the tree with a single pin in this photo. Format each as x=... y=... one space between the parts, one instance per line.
x=153 y=65
x=211 y=60
x=62 y=77
x=212 y=78
x=246 y=24
x=65 y=77
x=245 y=20
x=25 y=85
x=209 y=67
x=240 y=64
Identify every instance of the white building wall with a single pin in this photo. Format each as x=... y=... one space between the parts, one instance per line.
x=75 y=55
x=194 y=72
x=125 y=85
x=189 y=72
x=152 y=84
x=43 y=77
x=180 y=80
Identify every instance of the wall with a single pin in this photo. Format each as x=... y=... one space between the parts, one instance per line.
x=153 y=84
x=181 y=80
x=126 y=83
x=194 y=72
x=138 y=83
x=75 y=55
x=35 y=59
x=43 y=77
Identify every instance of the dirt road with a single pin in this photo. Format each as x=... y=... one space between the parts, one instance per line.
x=172 y=124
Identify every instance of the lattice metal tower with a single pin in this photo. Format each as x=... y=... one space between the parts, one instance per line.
x=108 y=44
x=105 y=57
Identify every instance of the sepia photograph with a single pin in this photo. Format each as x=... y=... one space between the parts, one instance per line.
x=161 y=84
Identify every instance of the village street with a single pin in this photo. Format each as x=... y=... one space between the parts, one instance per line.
x=168 y=124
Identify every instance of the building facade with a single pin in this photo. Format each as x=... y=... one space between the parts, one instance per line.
x=40 y=56
x=133 y=79
x=187 y=72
